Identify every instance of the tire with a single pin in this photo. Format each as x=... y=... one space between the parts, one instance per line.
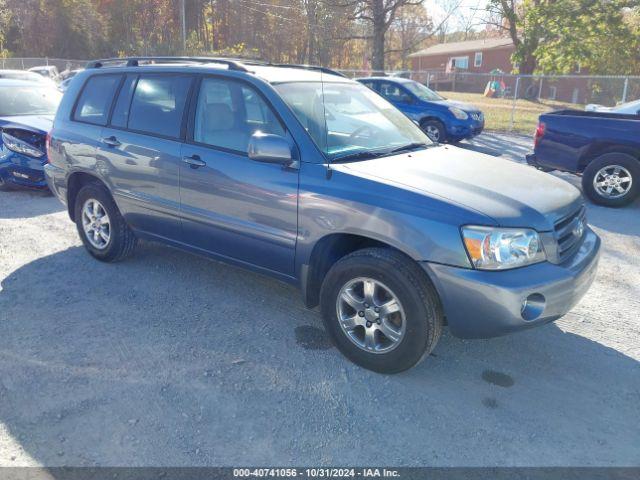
x=435 y=130
x=121 y=241
x=615 y=167
x=419 y=306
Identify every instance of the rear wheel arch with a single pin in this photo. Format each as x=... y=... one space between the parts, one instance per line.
x=600 y=149
x=74 y=183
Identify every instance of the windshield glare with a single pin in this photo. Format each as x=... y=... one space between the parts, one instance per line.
x=344 y=118
x=422 y=92
x=26 y=100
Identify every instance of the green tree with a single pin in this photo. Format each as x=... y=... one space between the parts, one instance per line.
x=597 y=35
x=554 y=36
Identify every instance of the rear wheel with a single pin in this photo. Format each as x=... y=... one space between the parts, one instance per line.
x=612 y=179
x=381 y=310
x=100 y=225
x=435 y=130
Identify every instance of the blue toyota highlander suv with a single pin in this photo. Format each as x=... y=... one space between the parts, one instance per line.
x=315 y=180
x=441 y=119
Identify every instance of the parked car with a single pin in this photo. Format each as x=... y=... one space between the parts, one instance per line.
x=602 y=147
x=315 y=180
x=24 y=75
x=441 y=119
x=66 y=78
x=47 y=71
x=68 y=74
x=26 y=115
x=629 y=108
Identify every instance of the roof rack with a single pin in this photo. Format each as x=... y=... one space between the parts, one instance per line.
x=135 y=61
x=231 y=63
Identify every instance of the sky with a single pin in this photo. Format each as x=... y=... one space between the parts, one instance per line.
x=438 y=9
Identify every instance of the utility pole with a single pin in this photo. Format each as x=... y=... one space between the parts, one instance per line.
x=184 y=29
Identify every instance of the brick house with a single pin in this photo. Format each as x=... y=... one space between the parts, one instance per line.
x=444 y=60
x=475 y=56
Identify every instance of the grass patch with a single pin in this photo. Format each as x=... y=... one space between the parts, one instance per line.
x=498 y=111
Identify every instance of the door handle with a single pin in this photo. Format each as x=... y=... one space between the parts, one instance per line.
x=194 y=161
x=111 y=141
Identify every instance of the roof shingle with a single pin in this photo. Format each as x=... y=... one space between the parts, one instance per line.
x=460 y=47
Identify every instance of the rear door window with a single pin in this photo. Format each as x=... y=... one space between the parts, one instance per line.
x=158 y=104
x=95 y=100
x=120 y=116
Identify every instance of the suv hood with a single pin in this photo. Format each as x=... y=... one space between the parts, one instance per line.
x=513 y=195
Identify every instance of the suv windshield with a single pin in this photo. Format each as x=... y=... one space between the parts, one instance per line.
x=34 y=100
x=422 y=92
x=348 y=118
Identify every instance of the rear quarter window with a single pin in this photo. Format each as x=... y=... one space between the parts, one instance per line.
x=95 y=100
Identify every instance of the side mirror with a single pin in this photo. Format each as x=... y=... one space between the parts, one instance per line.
x=268 y=148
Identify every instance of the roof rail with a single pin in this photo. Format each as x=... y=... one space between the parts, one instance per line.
x=308 y=67
x=135 y=61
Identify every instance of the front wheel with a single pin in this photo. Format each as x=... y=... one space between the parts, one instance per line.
x=100 y=225
x=612 y=179
x=435 y=130
x=381 y=310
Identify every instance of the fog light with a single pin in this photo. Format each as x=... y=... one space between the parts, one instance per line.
x=20 y=175
x=532 y=306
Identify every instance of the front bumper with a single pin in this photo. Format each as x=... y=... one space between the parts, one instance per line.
x=483 y=304
x=22 y=170
x=461 y=131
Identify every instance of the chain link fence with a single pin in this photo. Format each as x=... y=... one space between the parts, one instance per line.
x=26 y=63
x=514 y=102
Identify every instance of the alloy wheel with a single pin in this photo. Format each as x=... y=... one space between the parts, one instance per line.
x=371 y=315
x=96 y=224
x=612 y=181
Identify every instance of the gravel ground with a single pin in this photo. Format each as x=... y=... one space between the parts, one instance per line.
x=171 y=360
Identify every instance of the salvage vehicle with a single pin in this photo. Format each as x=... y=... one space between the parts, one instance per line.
x=628 y=108
x=602 y=147
x=26 y=116
x=316 y=180
x=47 y=71
x=441 y=119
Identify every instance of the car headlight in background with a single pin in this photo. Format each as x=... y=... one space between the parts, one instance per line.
x=458 y=113
x=19 y=146
x=502 y=248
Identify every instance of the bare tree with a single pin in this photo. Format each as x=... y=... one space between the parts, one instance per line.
x=379 y=15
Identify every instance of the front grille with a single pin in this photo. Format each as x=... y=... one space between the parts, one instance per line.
x=477 y=116
x=569 y=233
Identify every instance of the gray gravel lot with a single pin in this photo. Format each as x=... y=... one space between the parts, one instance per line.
x=168 y=359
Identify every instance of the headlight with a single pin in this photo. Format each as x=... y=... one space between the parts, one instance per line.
x=502 y=248
x=458 y=113
x=18 y=146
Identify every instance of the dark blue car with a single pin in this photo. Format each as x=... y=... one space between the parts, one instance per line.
x=26 y=115
x=441 y=119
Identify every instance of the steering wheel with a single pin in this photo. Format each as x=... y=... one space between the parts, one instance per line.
x=360 y=130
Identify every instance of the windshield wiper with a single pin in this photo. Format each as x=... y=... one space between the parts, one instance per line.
x=361 y=155
x=410 y=146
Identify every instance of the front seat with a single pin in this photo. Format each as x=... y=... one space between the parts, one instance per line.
x=217 y=126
